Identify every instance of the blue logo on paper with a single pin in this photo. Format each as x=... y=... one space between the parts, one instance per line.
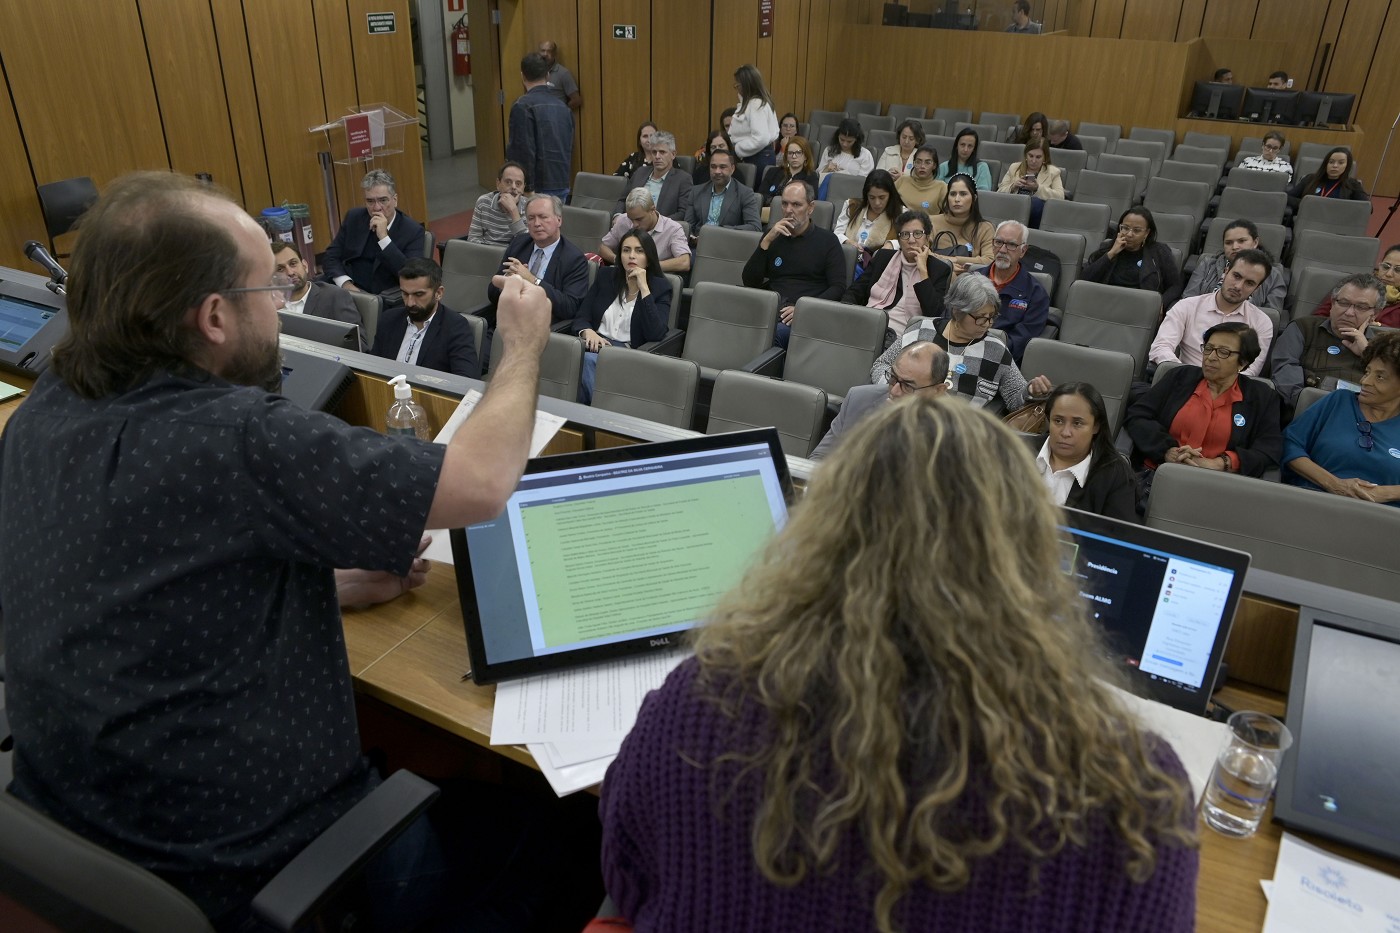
x=778 y=261
x=1239 y=421
x=1335 y=351
x=960 y=368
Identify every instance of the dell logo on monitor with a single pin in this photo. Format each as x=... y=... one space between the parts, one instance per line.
x=660 y=642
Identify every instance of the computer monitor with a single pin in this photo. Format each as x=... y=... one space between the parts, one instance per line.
x=615 y=551
x=1322 y=108
x=1338 y=780
x=1164 y=603
x=321 y=329
x=1270 y=105
x=1214 y=100
x=32 y=320
x=893 y=15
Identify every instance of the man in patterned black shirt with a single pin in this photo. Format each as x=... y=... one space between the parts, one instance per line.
x=176 y=677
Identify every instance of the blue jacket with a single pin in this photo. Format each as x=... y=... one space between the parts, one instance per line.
x=542 y=139
x=1024 y=309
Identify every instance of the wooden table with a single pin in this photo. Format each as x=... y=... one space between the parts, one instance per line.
x=411 y=654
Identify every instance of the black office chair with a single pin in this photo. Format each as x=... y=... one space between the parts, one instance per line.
x=77 y=885
x=63 y=202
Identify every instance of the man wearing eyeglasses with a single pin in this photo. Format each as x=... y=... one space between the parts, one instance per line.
x=176 y=676
x=1323 y=351
x=374 y=241
x=1178 y=337
x=920 y=369
x=1024 y=305
x=902 y=282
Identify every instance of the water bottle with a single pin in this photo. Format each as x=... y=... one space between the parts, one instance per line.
x=406 y=417
x=277 y=221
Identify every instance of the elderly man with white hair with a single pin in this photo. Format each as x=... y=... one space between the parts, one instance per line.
x=672 y=245
x=1024 y=304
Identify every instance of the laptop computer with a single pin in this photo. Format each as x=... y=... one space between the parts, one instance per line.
x=1339 y=778
x=1165 y=603
x=615 y=552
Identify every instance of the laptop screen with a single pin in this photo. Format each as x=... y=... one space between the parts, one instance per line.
x=1165 y=603
x=1339 y=778
x=613 y=552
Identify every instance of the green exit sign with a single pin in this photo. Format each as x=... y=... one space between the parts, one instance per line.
x=624 y=32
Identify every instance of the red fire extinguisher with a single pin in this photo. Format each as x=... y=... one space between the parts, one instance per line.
x=461 y=49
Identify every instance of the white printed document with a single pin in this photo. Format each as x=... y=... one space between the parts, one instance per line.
x=1196 y=740
x=546 y=426
x=1314 y=890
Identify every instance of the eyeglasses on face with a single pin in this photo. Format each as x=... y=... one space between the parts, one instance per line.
x=379 y=202
x=279 y=283
x=1135 y=231
x=1272 y=147
x=1006 y=244
x=911 y=235
x=982 y=320
x=1388 y=267
x=906 y=385
x=1344 y=305
x=1223 y=353
x=1364 y=441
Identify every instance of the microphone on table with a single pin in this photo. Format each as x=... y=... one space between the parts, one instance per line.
x=37 y=254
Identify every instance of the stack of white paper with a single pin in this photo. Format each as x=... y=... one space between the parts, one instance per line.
x=546 y=426
x=1196 y=740
x=573 y=722
x=1315 y=890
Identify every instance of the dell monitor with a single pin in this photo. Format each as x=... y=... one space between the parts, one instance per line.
x=1216 y=101
x=1270 y=105
x=1321 y=108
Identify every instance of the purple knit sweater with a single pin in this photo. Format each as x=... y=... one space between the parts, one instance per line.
x=672 y=864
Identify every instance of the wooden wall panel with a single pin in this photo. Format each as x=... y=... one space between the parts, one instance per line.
x=591 y=141
x=69 y=128
x=1251 y=62
x=1378 y=110
x=338 y=96
x=734 y=42
x=680 y=48
x=384 y=72
x=1190 y=20
x=290 y=102
x=1232 y=19
x=240 y=95
x=189 y=88
x=1108 y=19
x=1150 y=19
x=626 y=80
x=1358 y=45
x=486 y=87
x=20 y=216
x=1297 y=24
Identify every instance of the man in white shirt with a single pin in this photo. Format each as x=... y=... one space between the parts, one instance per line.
x=669 y=236
x=311 y=297
x=1179 y=337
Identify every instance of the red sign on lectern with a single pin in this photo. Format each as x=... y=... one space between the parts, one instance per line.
x=357 y=136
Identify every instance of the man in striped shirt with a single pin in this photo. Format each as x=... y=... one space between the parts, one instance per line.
x=498 y=215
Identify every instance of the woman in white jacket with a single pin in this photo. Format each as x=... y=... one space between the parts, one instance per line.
x=755 y=124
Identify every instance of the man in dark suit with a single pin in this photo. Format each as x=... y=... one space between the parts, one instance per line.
x=669 y=186
x=375 y=240
x=424 y=331
x=311 y=297
x=541 y=256
x=724 y=201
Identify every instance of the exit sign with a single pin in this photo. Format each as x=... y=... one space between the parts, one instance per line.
x=624 y=32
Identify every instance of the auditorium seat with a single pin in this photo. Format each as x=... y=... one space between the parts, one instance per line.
x=1110 y=133
x=1113 y=191
x=1139 y=167
x=743 y=401
x=1216 y=157
x=856 y=107
x=585 y=227
x=1006 y=153
x=720 y=254
x=1332 y=215
x=985 y=131
x=1006 y=124
x=1070 y=249
x=1167 y=195
x=1208 y=140
x=1087 y=218
x=1153 y=150
x=1178 y=231
x=1307 y=398
x=1262 y=207
x=466 y=272
x=1109 y=371
x=1166 y=138
x=645 y=385
x=873 y=121
x=731 y=327
x=1313 y=151
x=880 y=140
x=1342 y=254
x=370 y=306
x=1094 y=146
x=840 y=188
x=902 y=112
x=830 y=118
x=996 y=207
x=951 y=115
x=1208 y=173
x=1300 y=533
x=62 y=203
x=598 y=192
x=1070 y=163
x=1308 y=289
x=747 y=173
x=1256 y=180
x=833 y=345
x=1110 y=317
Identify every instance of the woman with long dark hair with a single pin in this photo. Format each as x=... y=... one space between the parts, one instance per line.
x=1331 y=180
x=961 y=219
x=638 y=158
x=846 y=153
x=1078 y=460
x=964 y=159
x=755 y=124
x=626 y=309
x=868 y=221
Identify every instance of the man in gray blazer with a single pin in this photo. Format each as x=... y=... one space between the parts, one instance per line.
x=669 y=186
x=724 y=201
x=312 y=297
x=920 y=369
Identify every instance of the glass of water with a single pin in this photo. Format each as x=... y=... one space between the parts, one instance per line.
x=1245 y=773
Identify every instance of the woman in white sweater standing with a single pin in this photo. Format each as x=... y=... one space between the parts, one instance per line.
x=755 y=124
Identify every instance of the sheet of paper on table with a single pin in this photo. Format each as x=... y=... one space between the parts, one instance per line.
x=1197 y=740
x=1314 y=890
x=546 y=426
x=574 y=721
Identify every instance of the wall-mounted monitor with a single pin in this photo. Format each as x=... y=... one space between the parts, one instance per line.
x=1215 y=101
x=1270 y=105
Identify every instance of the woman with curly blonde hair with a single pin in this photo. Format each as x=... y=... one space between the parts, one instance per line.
x=894 y=722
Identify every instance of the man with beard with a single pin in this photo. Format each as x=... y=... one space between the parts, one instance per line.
x=1179 y=335
x=311 y=297
x=1024 y=304
x=176 y=675
x=425 y=331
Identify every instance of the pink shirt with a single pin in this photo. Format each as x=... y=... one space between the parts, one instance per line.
x=1178 y=338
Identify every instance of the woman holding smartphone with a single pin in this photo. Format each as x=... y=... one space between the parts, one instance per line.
x=1036 y=177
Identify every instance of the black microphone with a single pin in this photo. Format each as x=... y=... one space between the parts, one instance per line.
x=36 y=253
